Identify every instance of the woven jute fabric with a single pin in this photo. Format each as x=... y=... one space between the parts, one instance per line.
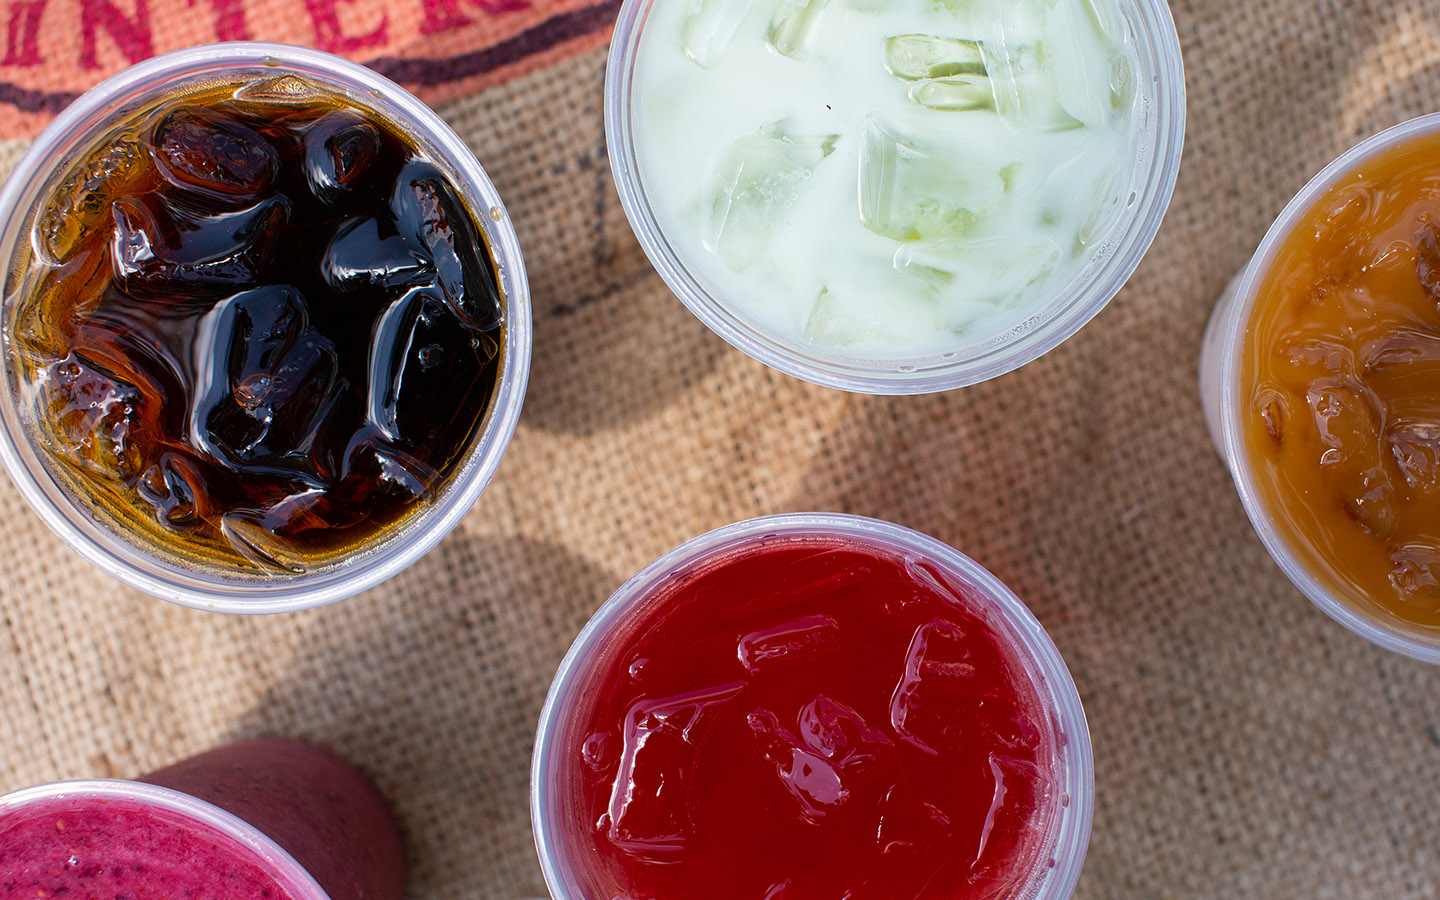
x=1245 y=745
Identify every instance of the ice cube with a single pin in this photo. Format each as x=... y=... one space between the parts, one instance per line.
x=371 y=474
x=910 y=193
x=419 y=349
x=1026 y=93
x=375 y=467
x=1427 y=261
x=937 y=684
x=794 y=24
x=340 y=148
x=1123 y=86
x=839 y=732
x=1416 y=575
x=811 y=779
x=214 y=154
x=139 y=349
x=818 y=574
x=79 y=211
x=252 y=533
x=264 y=382
x=1273 y=407
x=1021 y=795
x=1108 y=22
x=915 y=840
x=758 y=178
x=1079 y=66
x=1415 y=445
x=959 y=93
x=801 y=640
x=922 y=56
x=391 y=346
x=649 y=815
x=935 y=584
x=424 y=201
x=1348 y=425
x=1012 y=728
x=1345 y=421
x=994 y=271
x=599 y=751
x=1402 y=350
x=92 y=417
x=874 y=315
x=1080 y=201
x=834 y=755
x=709 y=28
x=781 y=890
x=370 y=253
x=1348 y=216
x=1369 y=498
x=162 y=251
x=1333 y=357
x=283 y=90
x=175 y=487
x=1106 y=201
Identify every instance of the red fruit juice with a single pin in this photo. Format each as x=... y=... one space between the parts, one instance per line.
x=817 y=718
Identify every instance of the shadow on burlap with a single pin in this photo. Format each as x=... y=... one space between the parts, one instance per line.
x=1245 y=746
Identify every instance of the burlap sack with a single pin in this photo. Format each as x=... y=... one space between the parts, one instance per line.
x=1245 y=746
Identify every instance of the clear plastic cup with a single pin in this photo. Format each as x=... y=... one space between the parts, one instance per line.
x=208 y=587
x=1160 y=113
x=1057 y=870
x=1220 y=388
x=306 y=817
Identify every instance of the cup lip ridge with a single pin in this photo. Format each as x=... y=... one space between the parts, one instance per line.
x=1060 y=319
x=1286 y=554
x=1026 y=636
x=276 y=860
x=210 y=588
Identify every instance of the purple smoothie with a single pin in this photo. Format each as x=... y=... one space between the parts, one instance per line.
x=86 y=847
x=294 y=822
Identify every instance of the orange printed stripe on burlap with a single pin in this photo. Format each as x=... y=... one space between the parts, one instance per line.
x=442 y=49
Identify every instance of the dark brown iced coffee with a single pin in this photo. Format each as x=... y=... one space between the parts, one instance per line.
x=261 y=326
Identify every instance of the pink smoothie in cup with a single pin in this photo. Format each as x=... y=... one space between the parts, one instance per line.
x=259 y=820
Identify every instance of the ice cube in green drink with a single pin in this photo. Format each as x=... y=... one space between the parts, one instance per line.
x=794 y=22
x=880 y=313
x=909 y=193
x=960 y=93
x=759 y=176
x=993 y=270
x=709 y=28
x=917 y=56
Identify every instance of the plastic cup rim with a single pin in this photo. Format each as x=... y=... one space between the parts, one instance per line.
x=1074 y=305
x=1071 y=830
x=276 y=860
x=207 y=588
x=1389 y=635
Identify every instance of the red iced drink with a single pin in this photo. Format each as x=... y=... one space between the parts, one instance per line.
x=805 y=716
x=261 y=820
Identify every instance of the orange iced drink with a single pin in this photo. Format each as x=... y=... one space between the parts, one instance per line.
x=1339 y=388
